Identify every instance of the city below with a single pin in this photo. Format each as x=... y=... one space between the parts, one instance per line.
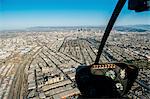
x=40 y=62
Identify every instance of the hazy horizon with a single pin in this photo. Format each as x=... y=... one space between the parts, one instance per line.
x=80 y=26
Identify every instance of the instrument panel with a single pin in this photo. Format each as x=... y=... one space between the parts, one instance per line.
x=107 y=79
x=120 y=73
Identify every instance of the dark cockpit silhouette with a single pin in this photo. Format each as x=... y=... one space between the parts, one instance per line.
x=105 y=80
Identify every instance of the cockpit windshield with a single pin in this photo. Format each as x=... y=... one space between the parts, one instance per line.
x=70 y=49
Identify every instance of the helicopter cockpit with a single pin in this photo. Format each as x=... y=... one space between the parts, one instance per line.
x=109 y=80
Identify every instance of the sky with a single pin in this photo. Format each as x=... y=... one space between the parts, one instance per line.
x=17 y=14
